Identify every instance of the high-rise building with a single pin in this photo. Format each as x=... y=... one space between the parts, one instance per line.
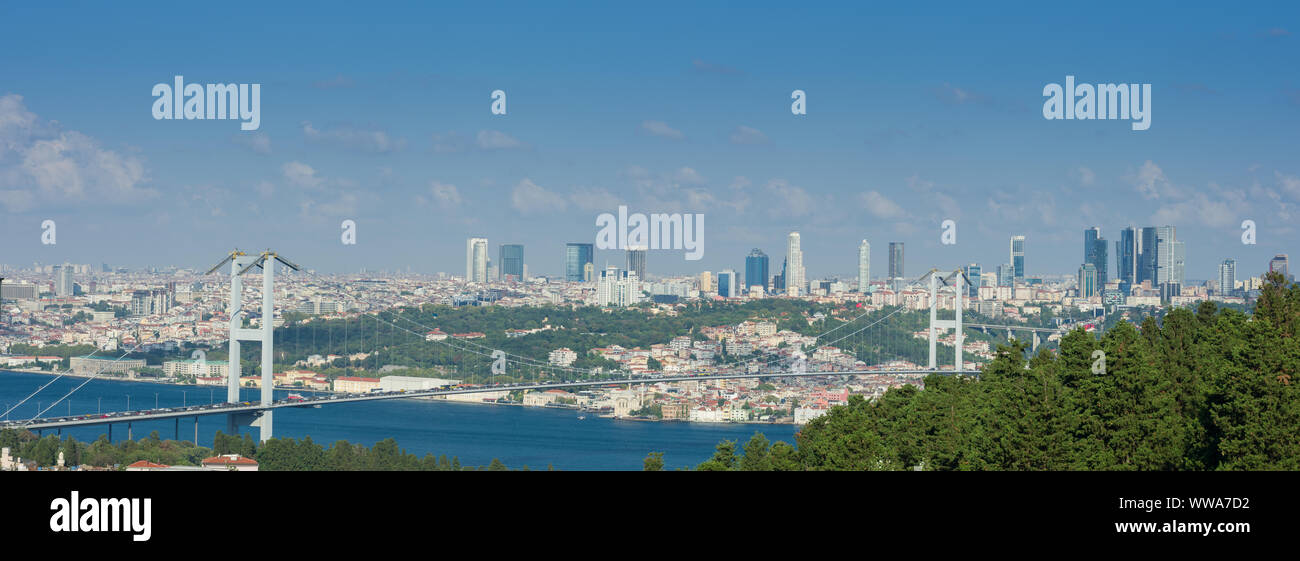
x=1228 y=277
x=1148 y=250
x=1095 y=252
x=896 y=265
x=476 y=260
x=1126 y=256
x=576 y=257
x=63 y=287
x=727 y=284
x=1169 y=256
x=1087 y=280
x=973 y=273
x=636 y=260
x=617 y=288
x=512 y=262
x=1006 y=275
x=1280 y=264
x=1018 y=257
x=794 y=280
x=756 y=269
x=706 y=282
x=864 y=266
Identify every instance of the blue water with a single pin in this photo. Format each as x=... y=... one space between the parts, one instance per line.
x=474 y=433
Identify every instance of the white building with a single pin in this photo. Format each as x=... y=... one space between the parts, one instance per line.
x=413 y=383
x=618 y=288
x=562 y=357
x=476 y=260
x=864 y=266
x=794 y=278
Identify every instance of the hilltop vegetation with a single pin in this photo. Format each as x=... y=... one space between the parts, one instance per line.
x=1210 y=389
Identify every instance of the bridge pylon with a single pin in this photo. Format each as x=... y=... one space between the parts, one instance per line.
x=958 y=280
x=241 y=263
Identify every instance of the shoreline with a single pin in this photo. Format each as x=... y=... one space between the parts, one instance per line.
x=426 y=398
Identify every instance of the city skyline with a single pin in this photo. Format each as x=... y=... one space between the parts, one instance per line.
x=874 y=158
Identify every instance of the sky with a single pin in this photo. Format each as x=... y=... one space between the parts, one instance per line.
x=381 y=114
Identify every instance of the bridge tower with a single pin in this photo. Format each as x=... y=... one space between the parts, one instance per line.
x=241 y=263
x=957 y=280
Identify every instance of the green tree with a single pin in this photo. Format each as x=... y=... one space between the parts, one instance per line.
x=654 y=461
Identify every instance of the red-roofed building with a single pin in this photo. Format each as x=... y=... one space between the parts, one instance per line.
x=232 y=462
x=145 y=465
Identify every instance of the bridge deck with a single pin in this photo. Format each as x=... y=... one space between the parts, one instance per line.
x=228 y=408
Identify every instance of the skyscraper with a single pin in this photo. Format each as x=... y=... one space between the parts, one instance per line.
x=706 y=282
x=1006 y=275
x=756 y=269
x=576 y=257
x=1228 y=277
x=476 y=260
x=1126 y=256
x=617 y=288
x=1095 y=252
x=63 y=281
x=1148 y=248
x=636 y=260
x=794 y=281
x=512 y=262
x=864 y=266
x=1018 y=257
x=896 y=265
x=1087 y=280
x=1169 y=256
x=973 y=272
x=1280 y=264
x=727 y=284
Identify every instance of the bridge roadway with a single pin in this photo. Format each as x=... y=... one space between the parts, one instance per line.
x=254 y=407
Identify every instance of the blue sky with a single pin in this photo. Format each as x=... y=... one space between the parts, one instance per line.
x=380 y=114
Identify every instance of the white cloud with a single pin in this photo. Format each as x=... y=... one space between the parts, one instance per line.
x=497 y=140
x=301 y=175
x=441 y=195
x=531 y=198
x=1212 y=207
x=41 y=165
x=880 y=206
x=1085 y=175
x=342 y=204
x=660 y=128
x=747 y=135
x=265 y=188
x=258 y=142
x=946 y=205
x=789 y=199
x=1289 y=184
x=594 y=199
x=688 y=176
x=1151 y=183
x=449 y=143
x=363 y=139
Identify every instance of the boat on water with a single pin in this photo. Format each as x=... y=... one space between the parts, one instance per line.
x=582 y=417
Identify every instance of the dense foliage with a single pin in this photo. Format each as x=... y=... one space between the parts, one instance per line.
x=101 y=452
x=276 y=454
x=1210 y=389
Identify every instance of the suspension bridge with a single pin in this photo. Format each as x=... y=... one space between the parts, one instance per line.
x=856 y=333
